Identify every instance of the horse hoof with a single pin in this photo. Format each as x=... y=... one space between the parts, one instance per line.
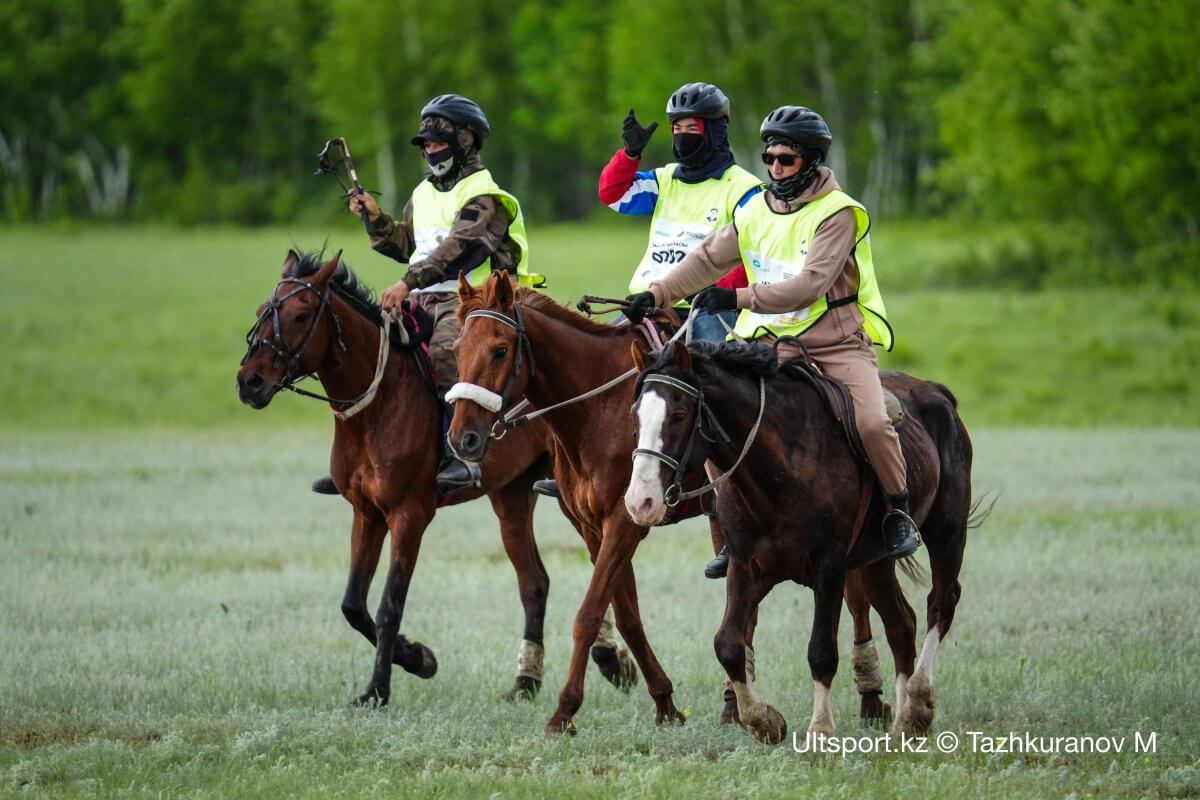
x=917 y=717
x=766 y=725
x=874 y=712
x=555 y=730
x=372 y=698
x=418 y=660
x=671 y=716
x=729 y=714
x=616 y=666
x=525 y=688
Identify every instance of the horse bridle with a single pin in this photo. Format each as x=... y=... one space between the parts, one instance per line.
x=290 y=359
x=524 y=351
x=703 y=414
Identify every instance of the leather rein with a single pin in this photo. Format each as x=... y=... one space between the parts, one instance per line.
x=506 y=421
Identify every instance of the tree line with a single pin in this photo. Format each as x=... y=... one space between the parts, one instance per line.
x=1075 y=113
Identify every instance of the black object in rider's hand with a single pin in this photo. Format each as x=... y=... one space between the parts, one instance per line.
x=640 y=305
x=714 y=299
x=635 y=136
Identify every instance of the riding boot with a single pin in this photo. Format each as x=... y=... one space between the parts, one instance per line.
x=900 y=534
x=324 y=485
x=717 y=568
x=454 y=474
x=547 y=487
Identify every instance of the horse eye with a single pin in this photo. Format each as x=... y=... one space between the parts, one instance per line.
x=678 y=417
x=303 y=316
x=499 y=353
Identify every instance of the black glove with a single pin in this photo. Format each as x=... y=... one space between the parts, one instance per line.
x=640 y=305
x=635 y=136
x=714 y=299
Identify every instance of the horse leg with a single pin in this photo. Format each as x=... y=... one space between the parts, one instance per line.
x=408 y=525
x=616 y=549
x=867 y=678
x=882 y=589
x=629 y=622
x=945 y=560
x=828 y=589
x=513 y=505
x=729 y=714
x=743 y=593
x=366 y=542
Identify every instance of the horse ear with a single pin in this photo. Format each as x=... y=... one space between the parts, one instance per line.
x=328 y=268
x=504 y=290
x=289 y=263
x=639 y=350
x=681 y=357
x=465 y=289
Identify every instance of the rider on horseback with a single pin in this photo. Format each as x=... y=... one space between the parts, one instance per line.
x=686 y=201
x=808 y=257
x=458 y=220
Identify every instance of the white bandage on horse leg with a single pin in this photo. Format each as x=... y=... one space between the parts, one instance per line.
x=867 y=677
x=607 y=636
x=529 y=660
x=476 y=394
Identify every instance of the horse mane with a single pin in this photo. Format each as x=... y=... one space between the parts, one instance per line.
x=347 y=285
x=485 y=300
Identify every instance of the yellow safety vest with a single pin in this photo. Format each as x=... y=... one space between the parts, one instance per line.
x=684 y=215
x=774 y=247
x=434 y=212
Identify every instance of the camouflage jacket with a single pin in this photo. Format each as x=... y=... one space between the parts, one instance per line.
x=479 y=231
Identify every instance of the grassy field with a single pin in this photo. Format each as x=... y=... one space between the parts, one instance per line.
x=171 y=628
x=169 y=592
x=143 y=327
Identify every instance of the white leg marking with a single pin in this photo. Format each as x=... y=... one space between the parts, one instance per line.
x=765 y=723
x=929 y=651
x=822 y=716
x=901 y=698
x=607 y=635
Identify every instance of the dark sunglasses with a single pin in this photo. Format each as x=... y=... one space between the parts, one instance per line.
x=784 y=160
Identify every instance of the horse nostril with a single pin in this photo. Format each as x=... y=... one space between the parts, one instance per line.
x=471 y=442
x=254 y=381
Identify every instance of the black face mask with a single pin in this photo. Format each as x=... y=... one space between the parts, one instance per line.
x=441 y=161
x=686 y=146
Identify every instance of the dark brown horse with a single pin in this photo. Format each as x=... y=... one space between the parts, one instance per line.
x=518 y=343
x=790 y=509
x=321 y=320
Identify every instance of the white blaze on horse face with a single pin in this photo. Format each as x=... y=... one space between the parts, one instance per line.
x=644 y=497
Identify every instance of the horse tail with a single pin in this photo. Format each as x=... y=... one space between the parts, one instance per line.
x=914 y=570
x=978 y=513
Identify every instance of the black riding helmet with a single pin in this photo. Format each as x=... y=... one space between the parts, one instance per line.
x=460 y=111
x=701 y=100
x=799 y=125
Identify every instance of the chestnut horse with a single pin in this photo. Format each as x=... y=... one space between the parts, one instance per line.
x=791 y=509
x=519 y=343
x=321 y=320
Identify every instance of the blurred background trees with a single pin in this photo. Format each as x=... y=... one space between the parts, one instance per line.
x=1071 y=120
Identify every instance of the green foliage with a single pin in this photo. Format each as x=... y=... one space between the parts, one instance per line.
x=1078 y=116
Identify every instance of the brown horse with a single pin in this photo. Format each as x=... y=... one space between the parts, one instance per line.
x=321 y=320
x=790 y=509
x=518 y=343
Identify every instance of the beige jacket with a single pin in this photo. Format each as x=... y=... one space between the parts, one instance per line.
x=829 y=269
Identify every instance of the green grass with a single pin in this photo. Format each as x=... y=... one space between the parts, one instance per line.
x=170 y=626
x=142 y=327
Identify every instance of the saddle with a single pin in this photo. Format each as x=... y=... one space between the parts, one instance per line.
x=838 y=400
